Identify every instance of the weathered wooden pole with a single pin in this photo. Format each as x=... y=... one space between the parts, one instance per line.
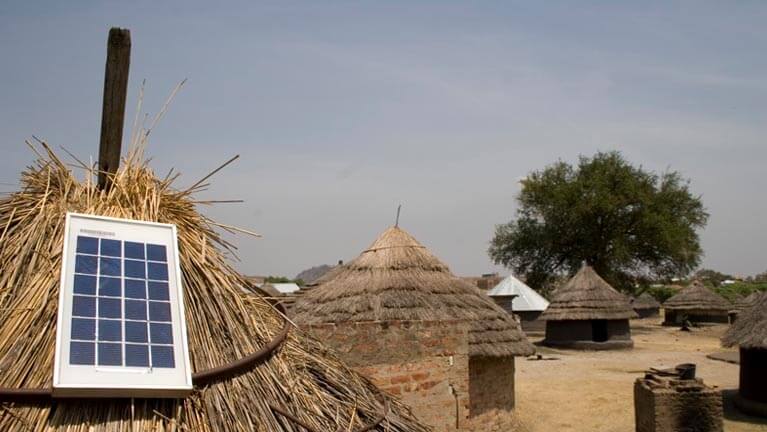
x=113 y=110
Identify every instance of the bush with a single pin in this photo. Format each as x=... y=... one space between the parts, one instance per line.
x=662 y=293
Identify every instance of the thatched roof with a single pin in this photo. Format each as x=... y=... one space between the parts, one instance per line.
x=697 y=297
x=588 y=297
x=750 y=329
x=398 y=279
x=748 y=301
x=645 y=301
x=223 y=324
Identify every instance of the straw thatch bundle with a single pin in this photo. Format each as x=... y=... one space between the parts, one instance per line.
x=750 y=330
x=697 y=297
x=645 y=301
x=398 y=279
x=223 y=323
x=748 y=301
x=586 y=296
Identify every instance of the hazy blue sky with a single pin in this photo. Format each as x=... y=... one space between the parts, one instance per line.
x=340 y=111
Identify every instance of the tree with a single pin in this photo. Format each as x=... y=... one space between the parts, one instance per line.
x=714 y=277
x=631 y=225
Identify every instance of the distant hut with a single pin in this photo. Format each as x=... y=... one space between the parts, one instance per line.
x=744 y=303
x=646 y=306
x=514 y=296
x=750 y=334
x=696 y=304
x=587 y=313
x=399 y=315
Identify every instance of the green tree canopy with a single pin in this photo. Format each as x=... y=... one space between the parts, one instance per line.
x=628 y=223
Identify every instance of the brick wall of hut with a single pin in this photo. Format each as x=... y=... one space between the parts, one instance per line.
x=491 y=384
x=425 y=364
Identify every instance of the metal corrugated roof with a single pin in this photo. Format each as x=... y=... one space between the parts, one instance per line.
x=527 y=299
x=285 y=288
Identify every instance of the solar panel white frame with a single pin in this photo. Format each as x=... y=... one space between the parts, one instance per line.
x=78 y=380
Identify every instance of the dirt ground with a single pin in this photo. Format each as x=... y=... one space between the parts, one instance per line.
x=593 y=391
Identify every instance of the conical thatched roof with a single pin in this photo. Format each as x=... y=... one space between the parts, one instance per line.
x=645 y=301
x=748 y=301
x=398 y=279
x=750 y=329
x=697 y=297
x=223 y=324
x=588 y=297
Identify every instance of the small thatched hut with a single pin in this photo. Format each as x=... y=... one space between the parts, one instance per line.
x=298 y=383
x=750 y=334
x=401 y=316
x=587 y=313
x=515 y=297
x=744 y=303
x=646 y=306
x=696 y=304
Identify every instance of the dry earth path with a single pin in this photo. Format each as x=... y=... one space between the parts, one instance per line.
x=592 y=391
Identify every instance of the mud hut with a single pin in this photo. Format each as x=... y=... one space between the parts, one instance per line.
x=646 y=306
x=749 y=333
x=743 y=303
x=516 y=298
x=696 y=304
x=587 y=313
x=252 y=370
x=401 y=316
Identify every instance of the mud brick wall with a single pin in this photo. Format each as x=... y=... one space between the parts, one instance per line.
x=491 y=384
x=425 y=364
x=669 y=410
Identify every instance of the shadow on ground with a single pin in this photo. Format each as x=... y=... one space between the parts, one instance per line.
x=731 y=413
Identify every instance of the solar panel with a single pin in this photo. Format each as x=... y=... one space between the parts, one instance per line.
x=121 y=328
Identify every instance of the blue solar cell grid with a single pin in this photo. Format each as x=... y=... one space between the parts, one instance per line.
x=121 y=311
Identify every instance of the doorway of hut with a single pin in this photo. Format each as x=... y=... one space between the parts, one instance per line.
x=599 y=330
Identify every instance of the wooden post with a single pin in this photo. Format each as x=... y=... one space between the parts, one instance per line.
x=113 y=110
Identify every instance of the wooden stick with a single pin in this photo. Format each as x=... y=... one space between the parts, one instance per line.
x=113 y=110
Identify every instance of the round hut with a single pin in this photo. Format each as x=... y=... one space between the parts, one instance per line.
x=587 y=313
x=696 y=304
x=744 y=303
x=251 y=369
x=750 y=334
x=646 y=306
x=401 y=316
x=516 y=298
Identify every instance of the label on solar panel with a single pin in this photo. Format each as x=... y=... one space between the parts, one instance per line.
x=121 y=329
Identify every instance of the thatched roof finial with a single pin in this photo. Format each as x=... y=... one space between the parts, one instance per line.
x=396 y=221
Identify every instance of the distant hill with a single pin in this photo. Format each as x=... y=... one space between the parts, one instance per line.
x=314 y=273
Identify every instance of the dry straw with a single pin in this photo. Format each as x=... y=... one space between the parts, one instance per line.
x=586 y=296
x=398 y=279
x=750 y=329
x=223 y=323
x=697 y=297
x=645 y=301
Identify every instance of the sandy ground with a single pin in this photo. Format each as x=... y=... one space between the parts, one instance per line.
x=593 y=391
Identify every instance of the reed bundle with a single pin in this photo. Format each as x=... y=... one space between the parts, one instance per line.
x=223 y=323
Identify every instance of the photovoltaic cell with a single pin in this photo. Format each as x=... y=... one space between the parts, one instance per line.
x=162 y=356
x=137 y=355
x=158 y=291
x=156 y=253
x=87 y=245
x=82 y=353
x=121 y=313
x=111 y=248
x=157 y=271
x=135 y=288
x=86 y=264
x=134 y=250
x=110 y=286
x=85 y=284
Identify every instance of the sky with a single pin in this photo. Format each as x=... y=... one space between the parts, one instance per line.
x=341 y=111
